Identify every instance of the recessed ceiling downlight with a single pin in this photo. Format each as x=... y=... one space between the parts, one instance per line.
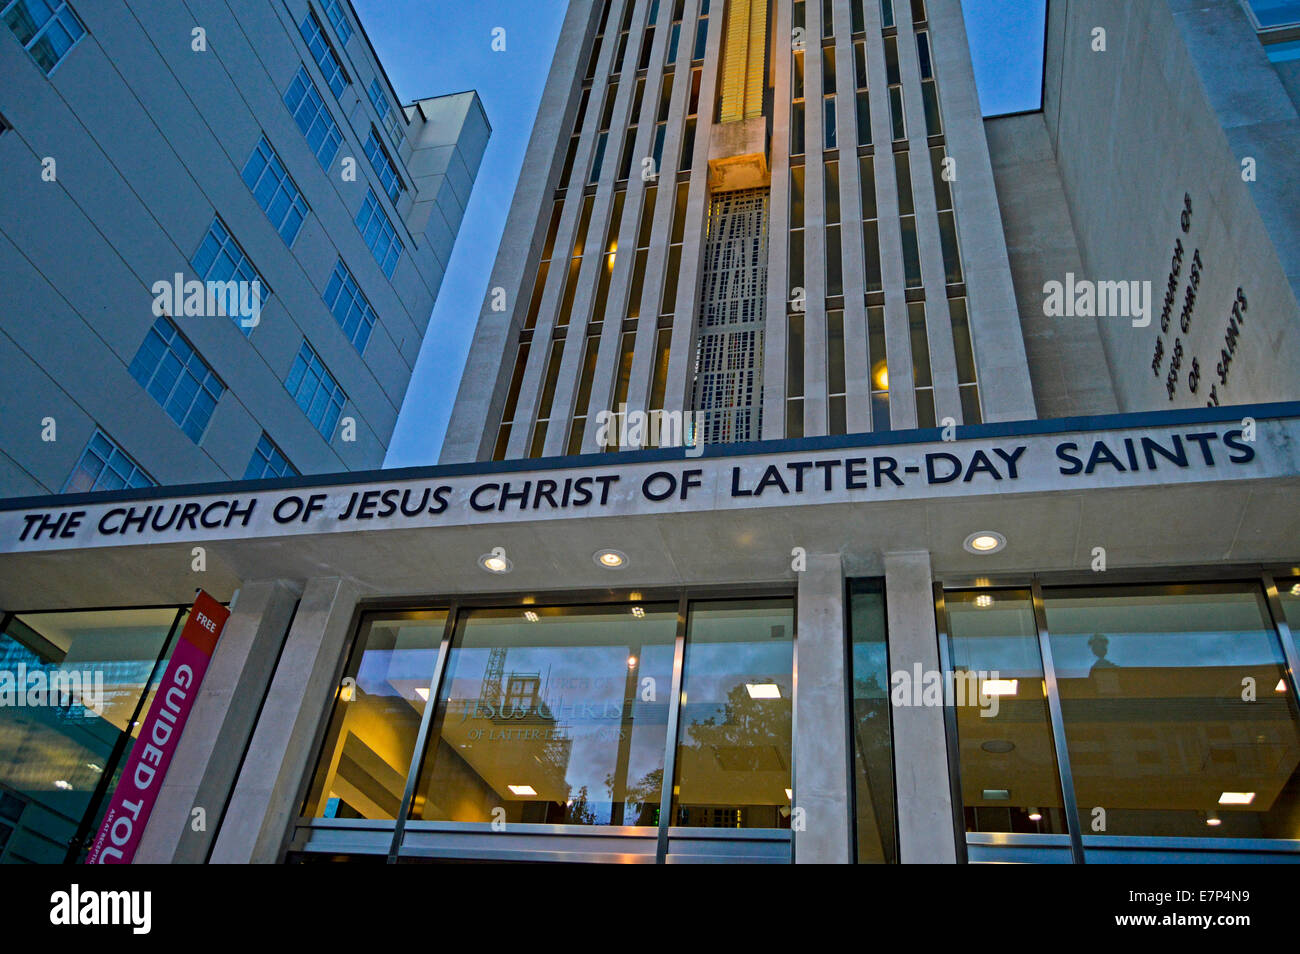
x=985 y=541
x=610 y=559
x=496 y=561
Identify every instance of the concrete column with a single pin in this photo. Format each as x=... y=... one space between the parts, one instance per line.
x=264 y=800
x=925 y=829
x=821 y=734
x=203 y=770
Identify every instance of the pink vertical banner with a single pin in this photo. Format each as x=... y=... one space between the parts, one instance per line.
x=137 y=787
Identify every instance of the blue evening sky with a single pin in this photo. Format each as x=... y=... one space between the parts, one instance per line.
x=430 y=47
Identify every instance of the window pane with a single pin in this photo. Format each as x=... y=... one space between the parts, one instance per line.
x=1164 y=730
x=733 y=750
x=554 y=714
x=1008 y=763
x=367 y=753
x=873 y=753
x=53 y=756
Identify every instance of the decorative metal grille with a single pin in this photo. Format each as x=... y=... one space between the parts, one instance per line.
x=729 y=352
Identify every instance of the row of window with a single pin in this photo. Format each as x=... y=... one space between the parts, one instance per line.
x=104 y=466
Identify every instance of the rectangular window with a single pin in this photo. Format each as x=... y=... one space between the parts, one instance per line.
x=879 y=361
x=584 y=746
x=323 y=54
x=794 y=356
x=339 y=18
x=372 y=731
x=105 y=466
x=389 y=180
x=836 y=387
x=275 y=191
x=268 y=461
x=221 y=259
x=1157 y=723
x=58 y=757
x=313 y=118
x=177 y=377
x=538 y=446
x=315 y=391
x=1009 y=781
x=47 y=29
x=921 y=376
x=734 y=740
x=379 y=235
x=873 y=762
x=512 y=403
x=964 y=350
x=392 y=119
x=350 y=307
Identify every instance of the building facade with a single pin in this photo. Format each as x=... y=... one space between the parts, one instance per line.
x=173 y=150
x=930 y=567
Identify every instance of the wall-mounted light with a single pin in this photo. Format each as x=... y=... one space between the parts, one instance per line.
x=1213 y=820
x=1035 y=815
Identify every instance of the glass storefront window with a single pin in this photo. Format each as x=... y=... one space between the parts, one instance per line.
x=734 y=745
x=54 y=757
x=1176 y=709
x=552 y=715
x=377 y=712
x=1009 y=781
x=873 y=755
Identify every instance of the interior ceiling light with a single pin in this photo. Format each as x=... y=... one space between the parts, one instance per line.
x=1213 y=820
x=985 y=541
x=1000 y=687
x=496 y=562
x=638 y=612
x=763 y=690
x=984 y=601
x=1236 y=798
x=1281 y=686
x=522 y=789
x=610 y=559
x=880 y=376
x=1035 y=815
x=422 y=692
x=531 y=616
x=1295 y=590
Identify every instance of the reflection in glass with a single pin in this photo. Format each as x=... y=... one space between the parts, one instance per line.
x=733 y=749
x=1008 y=763
x=555 y=714
x=873 y=754
x=377 y=711
x=1176 y=710
x=53 y=757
